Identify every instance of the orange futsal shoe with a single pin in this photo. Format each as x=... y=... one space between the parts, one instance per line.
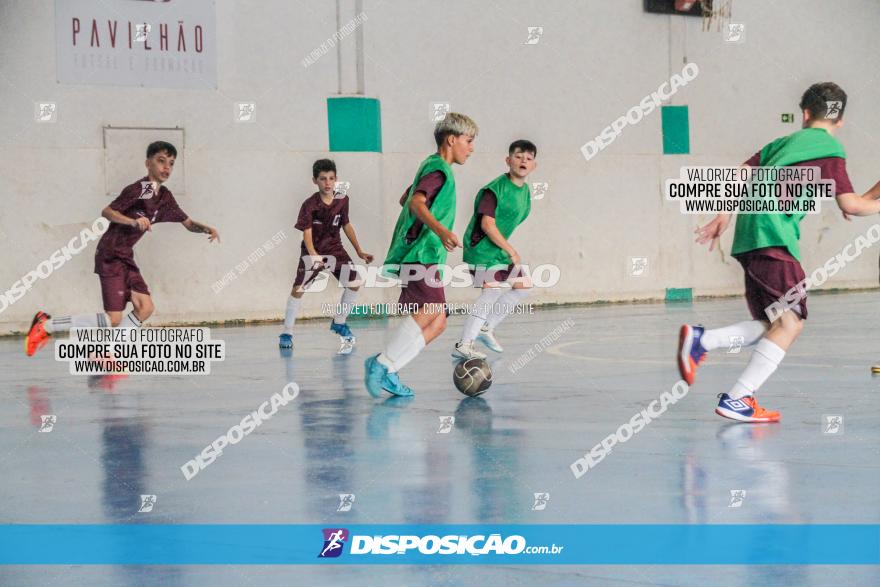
x=37 y=337
x=745 y=409
x=691 y=353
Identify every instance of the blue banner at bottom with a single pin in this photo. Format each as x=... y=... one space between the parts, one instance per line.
x=72 y=544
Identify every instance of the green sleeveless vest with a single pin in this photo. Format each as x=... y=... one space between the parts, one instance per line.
x=514 y=205
x=757 y=231
x=427 y=247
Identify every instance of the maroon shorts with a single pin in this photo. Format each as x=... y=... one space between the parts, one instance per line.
x=770 y=273
x=119 y=277
x=417 y=292
x=306 y=275
x=488 y=275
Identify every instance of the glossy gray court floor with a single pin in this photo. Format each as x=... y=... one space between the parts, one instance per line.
x=110 y=445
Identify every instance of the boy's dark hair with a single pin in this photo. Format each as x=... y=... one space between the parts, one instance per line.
x=159 y=146
x=323 y=165
x=523 y=145
x=816 y=99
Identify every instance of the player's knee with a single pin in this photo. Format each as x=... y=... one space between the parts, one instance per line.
x=791 y=323
x=115 y=318
x=434 y=327
x=144 y=312
x=440 y=323
x=144 y=309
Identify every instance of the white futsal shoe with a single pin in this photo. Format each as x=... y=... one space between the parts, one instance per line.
x=346 y=345
x=466 y=350
x=487 y=337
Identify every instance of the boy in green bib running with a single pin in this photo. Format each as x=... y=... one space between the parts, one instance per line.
x=500 y=206
x=422 y=237
x=766 y=245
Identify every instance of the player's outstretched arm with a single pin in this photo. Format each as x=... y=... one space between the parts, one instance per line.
x=487 y=223
x=710 y=233
x=193 y=226
x=873 y=193
x=112 y=215
x=418 y=206
x=855 y=205
x=348 y=229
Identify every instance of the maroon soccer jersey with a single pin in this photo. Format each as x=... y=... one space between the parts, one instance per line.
x=830 y=168
x=487 y=206
x=137 y=200
x=325 y=220
x=430 y=186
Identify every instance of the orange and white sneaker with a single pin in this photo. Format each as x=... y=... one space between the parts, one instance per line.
x=745 y=409
x=37 y=337
x=691 y=353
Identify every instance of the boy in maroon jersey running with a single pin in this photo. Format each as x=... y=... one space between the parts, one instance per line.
x=131 y=215
x=321 y=217
x=767 y=247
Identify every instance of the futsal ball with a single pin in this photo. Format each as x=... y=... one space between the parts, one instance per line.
x=472 y=377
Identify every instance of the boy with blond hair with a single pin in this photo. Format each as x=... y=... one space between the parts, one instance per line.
x=421 y=240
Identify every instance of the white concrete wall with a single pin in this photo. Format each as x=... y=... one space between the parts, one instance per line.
x=594 y=61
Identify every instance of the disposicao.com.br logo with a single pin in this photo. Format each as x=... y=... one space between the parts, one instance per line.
x=429 y=544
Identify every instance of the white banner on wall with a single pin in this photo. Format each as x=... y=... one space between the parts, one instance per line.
x=154 y=44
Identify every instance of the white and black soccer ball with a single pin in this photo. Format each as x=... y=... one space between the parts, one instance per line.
x=472 y=377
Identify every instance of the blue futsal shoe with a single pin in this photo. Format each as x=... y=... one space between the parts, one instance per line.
x=374 y=376
x=392 y=384
x=285 y=341
x=342 y=330
x=691 y=353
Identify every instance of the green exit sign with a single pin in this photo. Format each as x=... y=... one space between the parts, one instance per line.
x=787 y=117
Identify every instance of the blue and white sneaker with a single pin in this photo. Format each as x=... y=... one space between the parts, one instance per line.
x=346 y=338
x=374 y=376
x=392 y=384
x=487 y=337
x=745 y=409
x=285 y=341
x=342 y=330
x=346 y=345
x=691 y=353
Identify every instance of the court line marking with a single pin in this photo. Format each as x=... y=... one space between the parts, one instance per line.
x=557 y=350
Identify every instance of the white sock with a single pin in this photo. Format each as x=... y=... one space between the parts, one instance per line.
x=290 y=314
x=65 y=323
x=505 y=306
x=765 y=359
x=345 y=304
x=751 y=332
x=405 y=344
x=130 y=321
x=482 y=310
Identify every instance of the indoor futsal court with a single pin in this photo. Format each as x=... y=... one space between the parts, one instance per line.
x=462 y=293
